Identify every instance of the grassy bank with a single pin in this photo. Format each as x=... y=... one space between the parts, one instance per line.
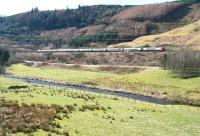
x=98 y=115
x=156 y=83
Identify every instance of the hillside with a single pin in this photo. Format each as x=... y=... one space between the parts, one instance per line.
x=95 y=25
x=187 y=36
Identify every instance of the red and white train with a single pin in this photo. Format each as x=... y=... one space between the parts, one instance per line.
x=142 y=49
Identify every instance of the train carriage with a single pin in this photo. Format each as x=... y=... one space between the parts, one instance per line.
x=142 y=49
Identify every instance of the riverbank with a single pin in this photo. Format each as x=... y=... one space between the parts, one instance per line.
x=151 y=83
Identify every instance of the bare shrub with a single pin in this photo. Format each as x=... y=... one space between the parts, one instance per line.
x=27 y=118
x=13 y=59
x=184 y=63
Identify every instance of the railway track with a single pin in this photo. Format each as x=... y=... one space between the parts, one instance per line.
x=92 y=89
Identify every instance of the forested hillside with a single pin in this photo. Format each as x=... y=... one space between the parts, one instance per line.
x=95 y=25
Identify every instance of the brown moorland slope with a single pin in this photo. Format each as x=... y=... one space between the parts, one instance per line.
x=187 y=36
x=148 y=12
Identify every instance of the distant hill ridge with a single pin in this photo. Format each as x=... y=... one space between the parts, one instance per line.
x=102 y=24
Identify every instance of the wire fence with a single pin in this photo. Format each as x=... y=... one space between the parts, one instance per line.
x=153 y=105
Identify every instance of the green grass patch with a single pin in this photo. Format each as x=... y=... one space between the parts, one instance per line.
x=105 y=115
x=57 y=74
x=157 y=83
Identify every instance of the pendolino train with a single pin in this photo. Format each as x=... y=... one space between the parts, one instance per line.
x=144 y=49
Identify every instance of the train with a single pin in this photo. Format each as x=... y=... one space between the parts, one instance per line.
x=142 y=49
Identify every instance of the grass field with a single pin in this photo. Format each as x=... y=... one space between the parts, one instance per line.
x=187 y=36
x=156 y=83
x=57 y=74
x=116 y=117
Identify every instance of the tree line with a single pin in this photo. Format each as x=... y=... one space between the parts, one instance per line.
x=190 y=1
x=101 y=37
x=36 y=20
x=184 y=63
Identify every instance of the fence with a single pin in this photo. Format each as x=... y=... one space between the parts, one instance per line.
x=165 y=107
